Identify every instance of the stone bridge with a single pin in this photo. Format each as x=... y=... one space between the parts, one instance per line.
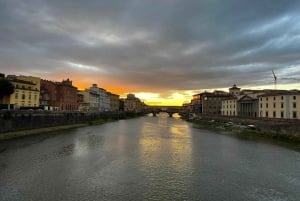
x=168 y=109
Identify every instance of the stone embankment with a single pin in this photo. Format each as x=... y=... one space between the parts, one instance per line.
x=281 y=129
x=18 y=122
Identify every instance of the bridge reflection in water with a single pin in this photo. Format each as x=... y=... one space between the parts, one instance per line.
x=164 y=114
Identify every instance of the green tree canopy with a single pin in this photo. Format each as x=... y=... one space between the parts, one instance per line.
x=6 y=88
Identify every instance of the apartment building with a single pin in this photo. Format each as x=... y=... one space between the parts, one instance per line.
x=212 y=102
x=196 y=104
x=26 y=93
x=280 y=104
x=114 y=101
x=58 y=95
x=89 y=100
x=132 y=104
x=229 y=106
x=104 y=100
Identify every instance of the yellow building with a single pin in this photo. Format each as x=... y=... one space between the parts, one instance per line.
x=114 y=101
x=26 y=93
x=284 y=104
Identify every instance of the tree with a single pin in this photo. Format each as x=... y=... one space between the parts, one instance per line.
x=6 y=88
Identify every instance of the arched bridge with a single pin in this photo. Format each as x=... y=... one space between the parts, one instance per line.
x=168 y=109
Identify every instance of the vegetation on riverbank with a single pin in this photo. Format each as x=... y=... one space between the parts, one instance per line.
x=246 y=131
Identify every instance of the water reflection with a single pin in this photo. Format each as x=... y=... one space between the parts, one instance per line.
x=165 y=154
x=147 y=158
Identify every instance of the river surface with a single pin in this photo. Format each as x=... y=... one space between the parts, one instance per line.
x=147 y=158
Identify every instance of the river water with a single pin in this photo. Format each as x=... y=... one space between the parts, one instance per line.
x=147 y=158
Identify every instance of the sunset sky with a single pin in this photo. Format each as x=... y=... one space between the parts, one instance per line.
x=164 y=51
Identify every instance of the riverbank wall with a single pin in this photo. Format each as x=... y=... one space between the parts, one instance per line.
x=282 y=129
x=24 y=120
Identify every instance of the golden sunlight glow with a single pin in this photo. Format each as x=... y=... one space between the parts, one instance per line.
x=153 y=147
x=148 y=95
x=175 y=99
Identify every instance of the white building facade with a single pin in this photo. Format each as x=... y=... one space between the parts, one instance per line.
x=229 y=107
x=285 y=105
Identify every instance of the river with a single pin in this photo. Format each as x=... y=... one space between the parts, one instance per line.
x=147 y=158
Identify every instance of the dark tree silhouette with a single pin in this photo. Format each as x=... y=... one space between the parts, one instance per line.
x=6 y=88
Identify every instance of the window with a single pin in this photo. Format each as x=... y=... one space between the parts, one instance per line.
x=274 y=105
x=267 y=114
x=267 y=105
x=274 y=114
x=294 y=114
x=281 y=97
x=260 y=99
x=294 y=97
x=281 y=105
x=294 y=105
x=267 y=98
x=16 y=95
x=261 y=105
x=23 y=96
x=274 y=98
x=281 y=114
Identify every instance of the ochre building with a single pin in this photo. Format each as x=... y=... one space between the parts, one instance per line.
x=26 y=93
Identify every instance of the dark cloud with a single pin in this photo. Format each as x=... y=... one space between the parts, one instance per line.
x=170 y=44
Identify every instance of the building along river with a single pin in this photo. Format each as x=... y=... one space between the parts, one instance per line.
x=147 y=158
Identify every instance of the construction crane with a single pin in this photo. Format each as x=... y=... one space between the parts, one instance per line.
x=291 y=78
x=275 y=79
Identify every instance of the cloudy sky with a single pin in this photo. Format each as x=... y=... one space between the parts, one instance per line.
x=162 y=50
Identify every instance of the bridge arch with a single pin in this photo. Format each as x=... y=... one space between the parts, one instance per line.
x=155 y=110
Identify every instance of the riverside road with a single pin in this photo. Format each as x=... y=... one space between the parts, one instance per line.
x=147 y=158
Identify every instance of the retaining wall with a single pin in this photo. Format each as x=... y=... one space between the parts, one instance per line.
x=20 y=120
x=285 y=126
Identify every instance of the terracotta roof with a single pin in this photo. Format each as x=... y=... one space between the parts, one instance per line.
x=280 y=92
x=21 y=81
